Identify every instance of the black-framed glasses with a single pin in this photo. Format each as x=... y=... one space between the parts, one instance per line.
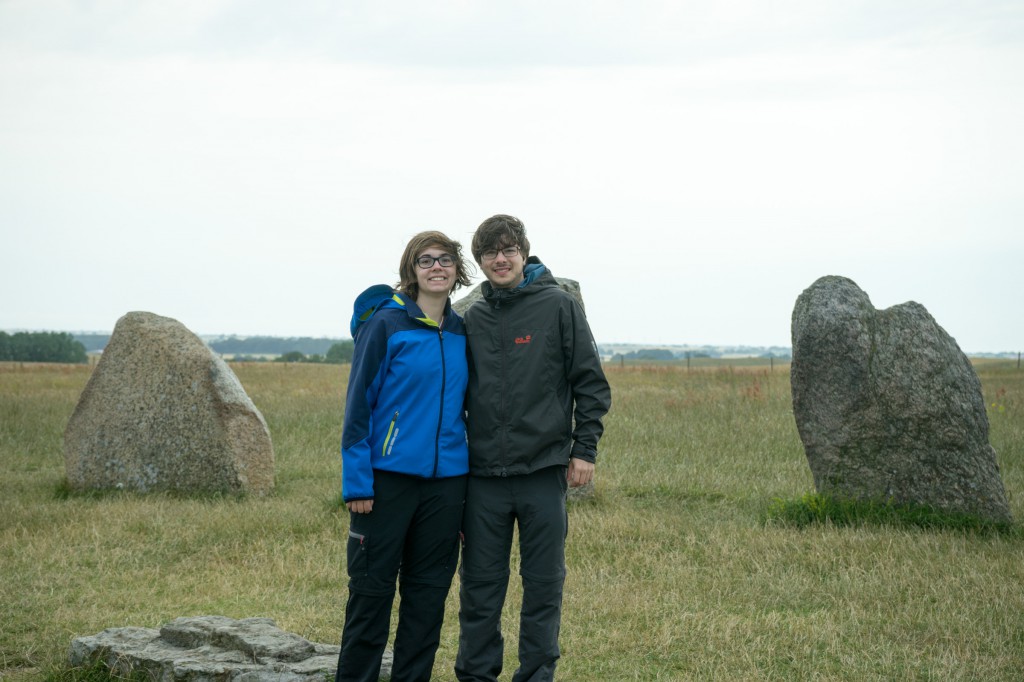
x=507 y=252
x=426 y=262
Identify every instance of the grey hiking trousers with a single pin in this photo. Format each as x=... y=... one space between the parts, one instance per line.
x=493 y=506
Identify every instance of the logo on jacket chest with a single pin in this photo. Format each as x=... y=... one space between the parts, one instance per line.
x=520 y=340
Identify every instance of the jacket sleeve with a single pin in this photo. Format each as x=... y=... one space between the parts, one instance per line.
x=591 y=393
x=369 y=366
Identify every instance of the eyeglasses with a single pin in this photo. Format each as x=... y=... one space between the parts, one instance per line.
x=507 y=252
x=426 y=262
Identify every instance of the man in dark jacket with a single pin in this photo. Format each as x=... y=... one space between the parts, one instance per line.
x=534 y=370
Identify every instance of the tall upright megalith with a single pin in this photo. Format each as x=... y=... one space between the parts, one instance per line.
x=887 y=405
x=163 y=412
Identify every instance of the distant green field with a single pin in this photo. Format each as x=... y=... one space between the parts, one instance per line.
x=675 y=570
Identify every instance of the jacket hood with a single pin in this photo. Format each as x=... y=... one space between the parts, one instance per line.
x=381 y=296
x=369 y=302
x=531 y=272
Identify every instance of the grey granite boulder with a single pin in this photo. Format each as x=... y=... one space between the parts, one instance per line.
x=211 y=649
x=163 y=412
x=887 y=405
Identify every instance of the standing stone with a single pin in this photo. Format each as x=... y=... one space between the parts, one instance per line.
x=887 y=405
x=573 y=288
x=163 y=412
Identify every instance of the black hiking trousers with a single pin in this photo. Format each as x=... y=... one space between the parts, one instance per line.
x=494 y=505
x=412 y=536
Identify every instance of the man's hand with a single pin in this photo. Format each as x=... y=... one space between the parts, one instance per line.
x=581 y=472
x=360 y=506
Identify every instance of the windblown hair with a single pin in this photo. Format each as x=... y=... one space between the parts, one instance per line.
x=499 y=232
x=407 y=269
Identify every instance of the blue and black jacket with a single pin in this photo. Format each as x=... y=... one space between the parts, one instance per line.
x=404 y=409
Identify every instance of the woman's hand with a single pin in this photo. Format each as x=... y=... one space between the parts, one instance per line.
x=360 y=506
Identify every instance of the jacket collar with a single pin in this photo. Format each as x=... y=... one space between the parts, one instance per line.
x=535 y=274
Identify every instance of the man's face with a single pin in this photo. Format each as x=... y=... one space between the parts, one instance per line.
x=503 y=267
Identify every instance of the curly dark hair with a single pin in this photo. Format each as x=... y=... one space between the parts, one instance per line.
x=498 y=232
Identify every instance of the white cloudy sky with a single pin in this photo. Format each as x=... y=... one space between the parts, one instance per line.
x=249 y=167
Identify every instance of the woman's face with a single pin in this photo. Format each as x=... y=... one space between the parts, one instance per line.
x=437 y=278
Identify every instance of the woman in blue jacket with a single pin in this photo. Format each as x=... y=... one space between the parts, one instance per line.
x=404 y=461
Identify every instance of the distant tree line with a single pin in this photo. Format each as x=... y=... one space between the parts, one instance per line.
x=93 y=342
x=41 y=347
x=337 y=354
x=257 y=348
x=273 y=345
x=660 y=354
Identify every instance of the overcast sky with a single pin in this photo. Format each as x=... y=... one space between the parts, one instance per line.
x=250 y=167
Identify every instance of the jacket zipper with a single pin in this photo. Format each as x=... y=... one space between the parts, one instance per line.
x=440 y=410
x=503 y=433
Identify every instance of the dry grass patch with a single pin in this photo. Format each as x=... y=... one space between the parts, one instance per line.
x=674 y=573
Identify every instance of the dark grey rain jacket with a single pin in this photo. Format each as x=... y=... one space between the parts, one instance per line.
x=533 y=369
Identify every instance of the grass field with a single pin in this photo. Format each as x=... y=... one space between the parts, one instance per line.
x=675 y=570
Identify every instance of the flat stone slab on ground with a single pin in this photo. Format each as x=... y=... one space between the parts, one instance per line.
x=212 y=649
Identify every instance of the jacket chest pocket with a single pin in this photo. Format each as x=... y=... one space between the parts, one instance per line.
x=526 y=341
x=529 y=357
x=391 y=437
